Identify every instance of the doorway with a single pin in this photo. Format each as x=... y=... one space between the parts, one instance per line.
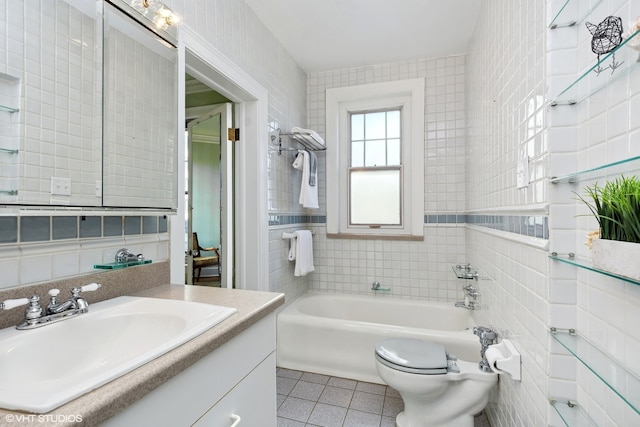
x=250 y=246
x=209 y=183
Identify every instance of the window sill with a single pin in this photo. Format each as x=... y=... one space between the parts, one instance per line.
x=405 y=237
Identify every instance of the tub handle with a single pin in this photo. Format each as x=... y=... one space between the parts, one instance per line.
x=236 y=420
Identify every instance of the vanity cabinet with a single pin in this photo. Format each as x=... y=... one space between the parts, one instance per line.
x=237 y=379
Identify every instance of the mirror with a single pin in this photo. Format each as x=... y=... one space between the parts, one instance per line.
x=53 y=151
x=51 y=79
x=140 y=128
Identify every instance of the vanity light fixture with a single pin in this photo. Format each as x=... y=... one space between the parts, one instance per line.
x=157 y=11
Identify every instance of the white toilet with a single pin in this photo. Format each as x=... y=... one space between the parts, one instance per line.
x=436 y=390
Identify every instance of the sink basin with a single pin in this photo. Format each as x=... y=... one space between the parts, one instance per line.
x=41 y=369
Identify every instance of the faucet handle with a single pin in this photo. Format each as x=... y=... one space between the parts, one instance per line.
x=13 y=303
x=86 y=288
x=90 y=287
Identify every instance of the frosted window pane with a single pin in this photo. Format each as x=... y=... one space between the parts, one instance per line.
x=375 y=153
x=375 y=125
x=357 y=127
x=393 y=152
x=357 y=154
x=393 y=124
x=375 y=197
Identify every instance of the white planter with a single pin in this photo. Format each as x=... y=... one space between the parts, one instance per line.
x=622 y=258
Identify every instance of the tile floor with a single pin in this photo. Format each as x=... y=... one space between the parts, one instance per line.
x=306 y=399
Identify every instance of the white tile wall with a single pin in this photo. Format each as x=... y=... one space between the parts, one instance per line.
x=507 y=121
x=601 y=130
x=231 y=27
x=596 y=131
x=411 y=269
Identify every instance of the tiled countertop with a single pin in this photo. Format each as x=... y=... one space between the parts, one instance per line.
x=109 y=399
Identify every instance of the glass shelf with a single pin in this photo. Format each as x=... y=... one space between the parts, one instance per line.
x=562 y=18
x=118 y=265
x=586 y=264
x=8 y=150
x=589 y=82
x=466 y=272
x=571 y=413
x=611 y=373
x=8 y=109
x=619 y=167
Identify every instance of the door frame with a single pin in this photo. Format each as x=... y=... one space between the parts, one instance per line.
x=251 y=252
x=225 y=193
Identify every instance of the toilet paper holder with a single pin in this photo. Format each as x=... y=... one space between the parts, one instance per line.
x=503 y=358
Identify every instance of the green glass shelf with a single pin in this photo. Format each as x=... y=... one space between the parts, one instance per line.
x=566 y=15
x=117 y=265
x=611 y=373
x=9 y=192
x=8 y=109
x=8 y=150
x=619 y=167
x=588 y=83
x=586 y=264
x=571 y=413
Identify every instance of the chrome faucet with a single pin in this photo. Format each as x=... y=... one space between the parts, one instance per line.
x=55 y=311
x=487 y=337
x=470 y=296
x=125 y=255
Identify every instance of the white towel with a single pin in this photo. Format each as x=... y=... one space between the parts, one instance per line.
x=302 y=251
x=308 y=132
x=308 y=193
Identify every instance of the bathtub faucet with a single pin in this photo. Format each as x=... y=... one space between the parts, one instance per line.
x=470 y=296
x=376 y=286
x=487 y=337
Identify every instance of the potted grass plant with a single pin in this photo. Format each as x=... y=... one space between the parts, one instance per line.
x=616 y=206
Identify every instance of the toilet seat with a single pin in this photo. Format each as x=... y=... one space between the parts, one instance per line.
x=413 y=356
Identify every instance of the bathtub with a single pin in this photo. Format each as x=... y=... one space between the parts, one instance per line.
x=336 y=334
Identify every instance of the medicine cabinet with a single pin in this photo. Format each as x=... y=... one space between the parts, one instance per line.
x=88 y=107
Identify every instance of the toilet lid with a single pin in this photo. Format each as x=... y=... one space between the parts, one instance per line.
x=411 y=355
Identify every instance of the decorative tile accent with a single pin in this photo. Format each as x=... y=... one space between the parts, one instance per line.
x=149 y=224
x=35 y=228
x=90 y=226
x=64 y=227
x=527 y=225
x=8 y=229
x=132 y=225
x=46 y=228
x=112 y=226
x=276 y=219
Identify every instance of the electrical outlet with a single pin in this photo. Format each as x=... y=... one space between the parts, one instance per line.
x=98 y=188
x=60 y=186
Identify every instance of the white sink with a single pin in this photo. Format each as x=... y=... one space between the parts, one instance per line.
x=41 y=369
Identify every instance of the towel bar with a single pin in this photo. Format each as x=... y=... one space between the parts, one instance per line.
x=306 y=141
x=286 y=235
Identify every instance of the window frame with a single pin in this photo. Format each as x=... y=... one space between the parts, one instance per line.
x=408 y=95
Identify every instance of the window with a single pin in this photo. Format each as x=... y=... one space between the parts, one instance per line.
x=375 y=160
x=375 y=164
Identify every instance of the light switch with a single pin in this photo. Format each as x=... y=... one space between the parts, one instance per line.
x=60 y=186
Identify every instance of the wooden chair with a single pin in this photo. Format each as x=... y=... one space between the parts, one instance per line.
x=200 y=261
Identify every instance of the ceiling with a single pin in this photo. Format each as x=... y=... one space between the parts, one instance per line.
x=334 y=34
